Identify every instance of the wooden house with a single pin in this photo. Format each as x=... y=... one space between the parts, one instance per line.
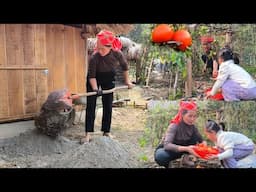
x=36 y=59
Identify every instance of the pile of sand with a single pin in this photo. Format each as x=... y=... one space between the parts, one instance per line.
x=32 y=149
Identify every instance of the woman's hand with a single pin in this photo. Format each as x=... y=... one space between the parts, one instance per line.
x=130 y=85
x=211 y=157
x=204 y=69
x=191 y=151
x=204 y=143
x=208 y=94
x=214 y=74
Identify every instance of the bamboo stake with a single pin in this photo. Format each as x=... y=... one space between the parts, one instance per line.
x=149 y=71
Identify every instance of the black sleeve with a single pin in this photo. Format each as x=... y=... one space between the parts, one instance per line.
x=92 y=67
x=122 y=60
x=204 y=58
x=199 y=137
x=169 y=138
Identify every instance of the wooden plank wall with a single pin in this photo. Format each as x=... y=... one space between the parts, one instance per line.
x=4 y=99
x=15 y=58
x=40 y=61
x=36 y=59
x=29 y=76
x=80 y=63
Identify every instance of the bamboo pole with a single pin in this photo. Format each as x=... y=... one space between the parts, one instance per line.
x=189 y=78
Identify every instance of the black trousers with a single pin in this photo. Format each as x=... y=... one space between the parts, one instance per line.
x=107 y=100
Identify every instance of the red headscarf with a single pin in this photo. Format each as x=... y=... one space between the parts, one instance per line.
x=107 y=38
x=206 y=39
x=187 y=105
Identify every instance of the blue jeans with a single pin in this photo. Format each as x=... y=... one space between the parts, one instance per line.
x=163 y=157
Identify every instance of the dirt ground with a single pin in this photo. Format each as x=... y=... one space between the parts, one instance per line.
x=128 y=125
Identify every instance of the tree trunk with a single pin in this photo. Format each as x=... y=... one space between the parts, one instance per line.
x=138 y=70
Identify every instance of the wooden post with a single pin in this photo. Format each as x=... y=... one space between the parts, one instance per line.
x=228 y=39
x=149 y=71
x=188 y=91
x=84 y=35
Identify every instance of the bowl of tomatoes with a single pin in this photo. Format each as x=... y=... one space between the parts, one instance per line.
x=203 y=150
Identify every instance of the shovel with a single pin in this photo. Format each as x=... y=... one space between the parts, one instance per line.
x=82 y=96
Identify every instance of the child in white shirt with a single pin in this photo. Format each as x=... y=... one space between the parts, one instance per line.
x=233 y=146
x=236 y=83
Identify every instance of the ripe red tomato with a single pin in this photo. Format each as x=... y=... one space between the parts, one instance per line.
x=162 y=33
x=201 y=145
x=203 y=151
x=184 y=37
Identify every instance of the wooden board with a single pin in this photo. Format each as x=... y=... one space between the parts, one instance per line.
x=4 y=100
x=69 y=40
x=14 y=45
x=59 y=79
x=50 y=53
x=15 y=57
x=80 y=62
x=28 y=39
x=41 y=76
x=15 y=92
x=41 y=88
x=29 y=80
x=2 y=46
x=4 y=109
x=40 y=45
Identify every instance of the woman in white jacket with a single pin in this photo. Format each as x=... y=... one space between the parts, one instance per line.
x=236 y=83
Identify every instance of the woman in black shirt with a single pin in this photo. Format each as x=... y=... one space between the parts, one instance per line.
x=101 y=76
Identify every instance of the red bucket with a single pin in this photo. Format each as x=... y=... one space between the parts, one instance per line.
x=217 y=96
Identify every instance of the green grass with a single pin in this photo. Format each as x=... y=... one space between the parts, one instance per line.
x=143 y=158
x=251 y=70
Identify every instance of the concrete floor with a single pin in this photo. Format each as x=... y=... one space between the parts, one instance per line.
x=13 y=129
x=8 y=130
